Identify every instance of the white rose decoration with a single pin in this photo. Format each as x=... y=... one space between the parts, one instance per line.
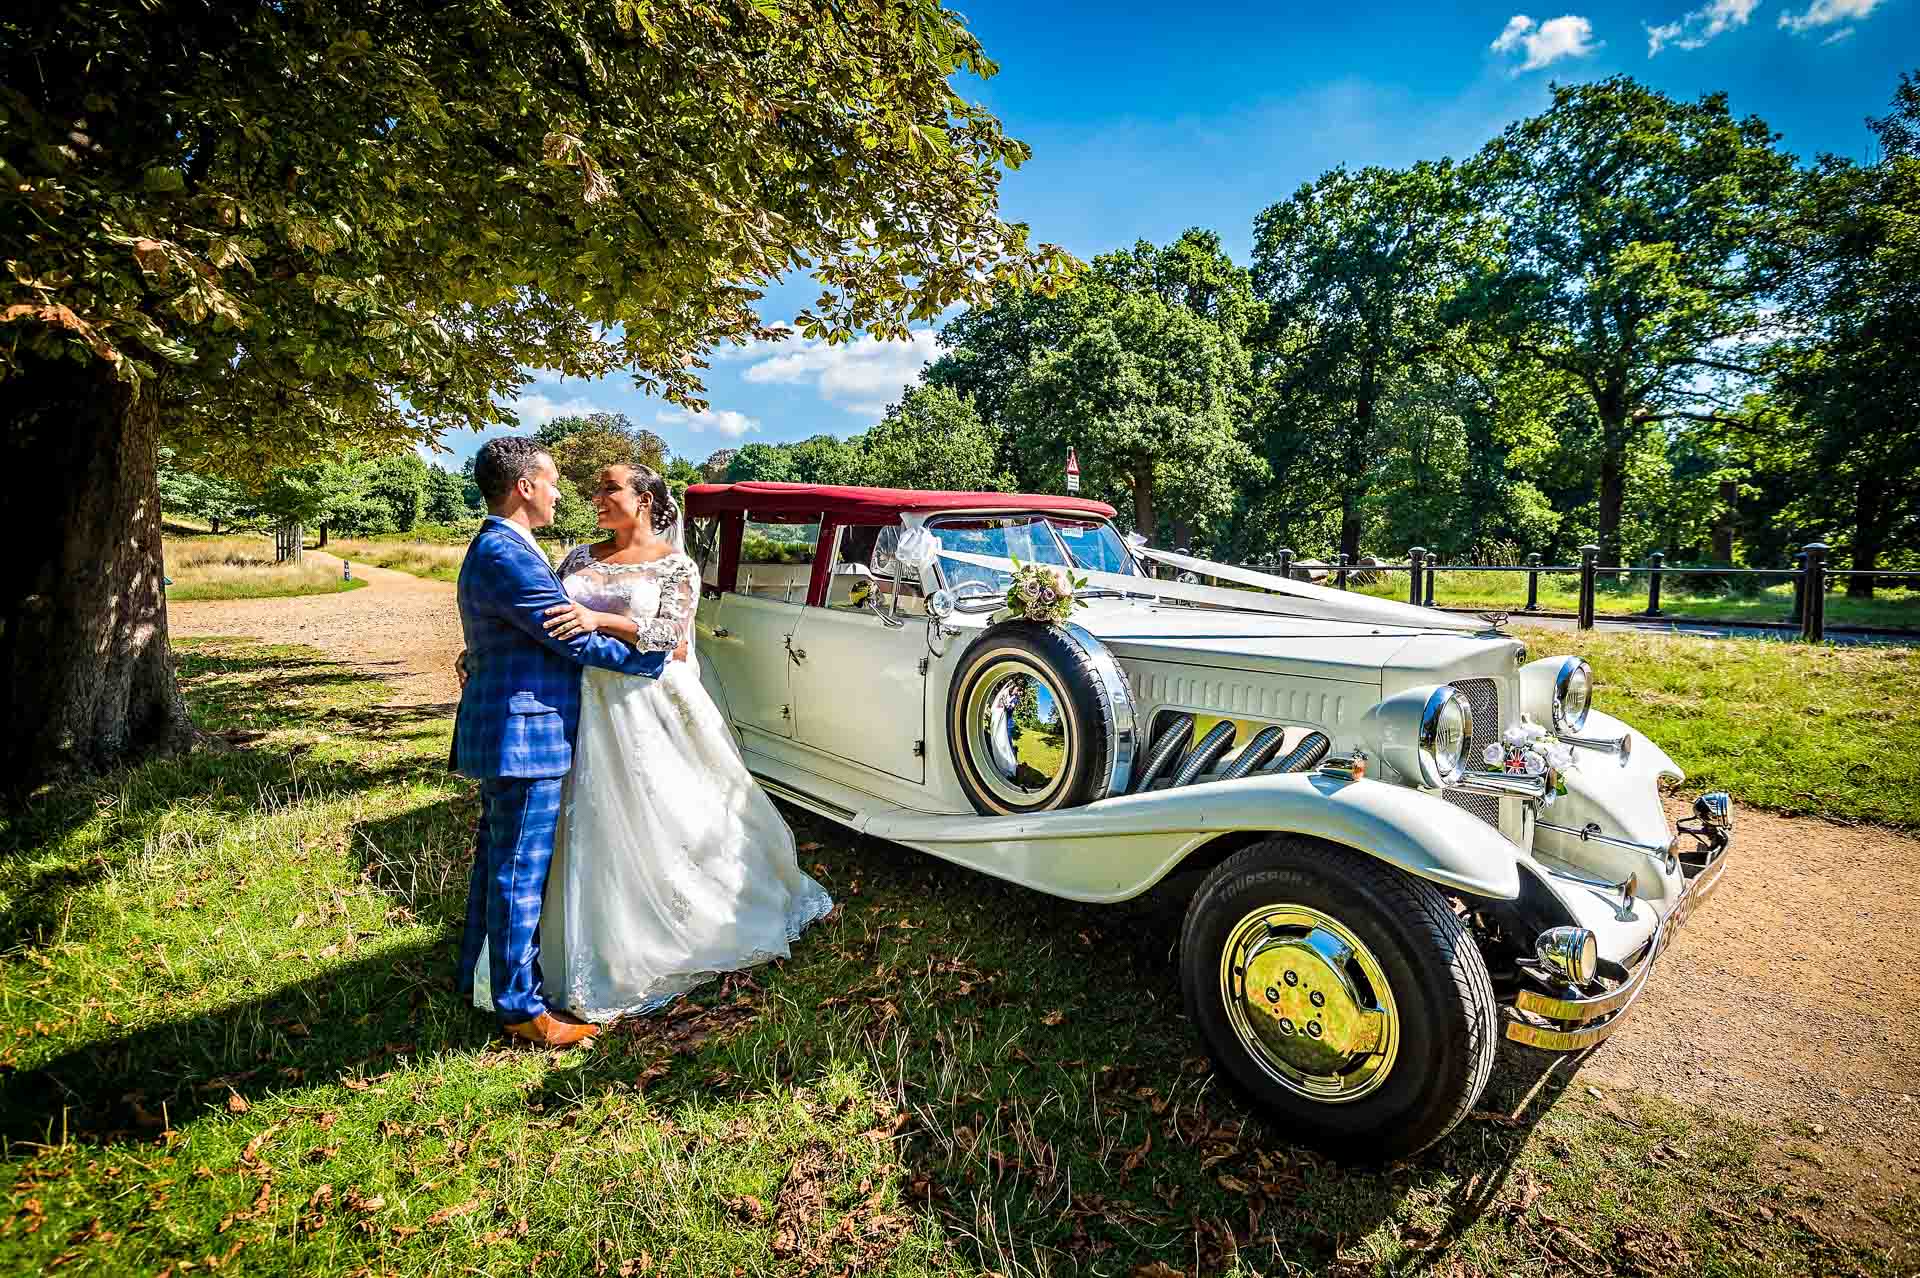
x=1495 y=756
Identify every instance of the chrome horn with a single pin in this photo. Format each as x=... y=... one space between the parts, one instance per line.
x=1621 y=746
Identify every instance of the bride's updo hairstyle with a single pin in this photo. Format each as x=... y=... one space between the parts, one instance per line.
x=645 y=481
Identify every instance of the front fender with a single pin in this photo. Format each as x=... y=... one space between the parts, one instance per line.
x=1118 y=848
x=1622 y=801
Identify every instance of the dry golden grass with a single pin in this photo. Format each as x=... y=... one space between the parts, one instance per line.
x=242 y=567
x=422 y=559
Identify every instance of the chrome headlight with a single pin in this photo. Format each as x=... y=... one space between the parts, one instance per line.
x=1572 y=695
x=1446 y=725
x=1569 y=952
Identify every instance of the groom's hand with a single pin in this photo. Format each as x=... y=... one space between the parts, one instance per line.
x=566 y=620
x=460 y=669
x=680 y=653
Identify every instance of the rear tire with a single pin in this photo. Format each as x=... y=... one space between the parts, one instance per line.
x=1344 y=996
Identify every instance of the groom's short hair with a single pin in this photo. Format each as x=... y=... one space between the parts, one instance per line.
x=502 y=463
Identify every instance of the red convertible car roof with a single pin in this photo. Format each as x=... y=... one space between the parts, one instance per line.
x=855 y=504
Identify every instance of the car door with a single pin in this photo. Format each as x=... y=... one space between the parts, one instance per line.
x=858 y=682
x=744 y=639
x=859 y=690
x=746 y=634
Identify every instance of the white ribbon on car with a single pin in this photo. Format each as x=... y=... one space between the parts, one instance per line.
x=1284 y=598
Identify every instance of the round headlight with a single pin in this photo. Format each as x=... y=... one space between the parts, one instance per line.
x=1446 y=726
x=1572 y=695
x=1569 y=952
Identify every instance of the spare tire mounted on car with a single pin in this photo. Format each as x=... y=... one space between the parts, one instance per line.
x=1039 y=717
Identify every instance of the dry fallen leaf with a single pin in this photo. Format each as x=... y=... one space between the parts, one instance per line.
x=237 y=1104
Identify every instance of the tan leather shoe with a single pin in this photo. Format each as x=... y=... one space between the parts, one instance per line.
x=548 y=1030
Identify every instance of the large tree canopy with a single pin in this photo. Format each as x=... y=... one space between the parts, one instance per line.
x=1633 y=264
x=263 y=228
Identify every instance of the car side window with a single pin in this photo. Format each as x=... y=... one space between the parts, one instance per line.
x=864 y=570
x=776 y=556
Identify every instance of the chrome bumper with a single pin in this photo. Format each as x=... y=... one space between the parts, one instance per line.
x=1569 y=1024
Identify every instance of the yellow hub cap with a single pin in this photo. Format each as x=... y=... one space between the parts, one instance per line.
x=1309 y=1002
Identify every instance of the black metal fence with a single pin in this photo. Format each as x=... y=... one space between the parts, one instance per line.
x=1810 y=574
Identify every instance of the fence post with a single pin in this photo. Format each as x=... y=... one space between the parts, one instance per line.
x=1286 y=564
x=1533 y=584
x=1588 y=553
x=1414 y=557
x=1813 y=624
x=1431 y=574
x=1340 y=573
x=1656 y=559
x=1799 y=617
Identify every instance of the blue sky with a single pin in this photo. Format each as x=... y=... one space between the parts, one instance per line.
x=1146 y=121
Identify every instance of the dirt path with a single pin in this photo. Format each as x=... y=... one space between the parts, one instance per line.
x=403 y=628
x=1788 y=999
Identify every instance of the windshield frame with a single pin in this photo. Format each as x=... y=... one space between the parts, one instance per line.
x=978 y=603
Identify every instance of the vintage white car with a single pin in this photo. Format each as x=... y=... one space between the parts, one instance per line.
x=1409 y=834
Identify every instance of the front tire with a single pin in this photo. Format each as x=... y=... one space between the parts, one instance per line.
x=1344 y=996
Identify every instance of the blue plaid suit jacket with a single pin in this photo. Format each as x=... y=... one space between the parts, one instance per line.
x=521 y=706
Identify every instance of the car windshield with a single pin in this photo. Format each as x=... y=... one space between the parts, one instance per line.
x=1043 y=539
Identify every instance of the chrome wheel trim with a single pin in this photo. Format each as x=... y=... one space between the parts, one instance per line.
x=1309 y=1003
x=994 y=736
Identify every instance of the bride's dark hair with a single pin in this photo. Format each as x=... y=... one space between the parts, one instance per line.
x=645 y=481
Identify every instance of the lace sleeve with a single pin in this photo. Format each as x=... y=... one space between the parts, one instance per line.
x=678 y=599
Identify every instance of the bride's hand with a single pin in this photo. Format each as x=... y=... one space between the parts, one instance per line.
x=566 y=620
x=680 y=653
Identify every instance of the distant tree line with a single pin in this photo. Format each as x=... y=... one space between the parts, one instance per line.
x=1628 y=320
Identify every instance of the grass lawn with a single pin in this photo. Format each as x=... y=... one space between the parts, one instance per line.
x=229 y=1042
x=1627 y=595
x=241 y=567
x=1784 y=725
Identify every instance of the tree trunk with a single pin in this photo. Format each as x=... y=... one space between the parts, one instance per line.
x=1143 y=503
x=323 y=537
x=1613 y=490
x=216 y=526
x=1869 y=529
x=90 y=680
x=1723 y=527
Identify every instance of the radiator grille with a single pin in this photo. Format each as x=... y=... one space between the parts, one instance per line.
x=1483 y=698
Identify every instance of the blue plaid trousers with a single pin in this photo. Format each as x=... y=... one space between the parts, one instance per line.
x=512 y=848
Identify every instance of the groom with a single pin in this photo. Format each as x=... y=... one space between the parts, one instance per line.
x=519 y=708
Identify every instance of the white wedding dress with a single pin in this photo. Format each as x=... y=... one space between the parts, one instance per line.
x=670 y=865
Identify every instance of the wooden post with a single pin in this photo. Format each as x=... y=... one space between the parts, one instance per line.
x=1533 y=584
x=1813 y=615
x=1588 y=553
x=1653 y=583
x=1340 y=570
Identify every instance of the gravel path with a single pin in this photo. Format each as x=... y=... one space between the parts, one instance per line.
x=1788 y=998
x=404 y=628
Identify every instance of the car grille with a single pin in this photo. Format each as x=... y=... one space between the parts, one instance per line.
x=1483 y=698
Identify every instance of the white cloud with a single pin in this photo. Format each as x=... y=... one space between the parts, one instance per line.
x=856 y=375
x=1838 y=36
x=1824 y=13
x=1701 y=25
x=1547 y=42
x=538 y=410
x=724 y=422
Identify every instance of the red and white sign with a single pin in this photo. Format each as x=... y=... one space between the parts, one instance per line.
x=1073 y=472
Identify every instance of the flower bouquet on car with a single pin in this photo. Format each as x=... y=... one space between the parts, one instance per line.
x=1527 y=749
x=1046 y=593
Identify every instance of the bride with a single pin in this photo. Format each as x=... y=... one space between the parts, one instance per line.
x=670 y=865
